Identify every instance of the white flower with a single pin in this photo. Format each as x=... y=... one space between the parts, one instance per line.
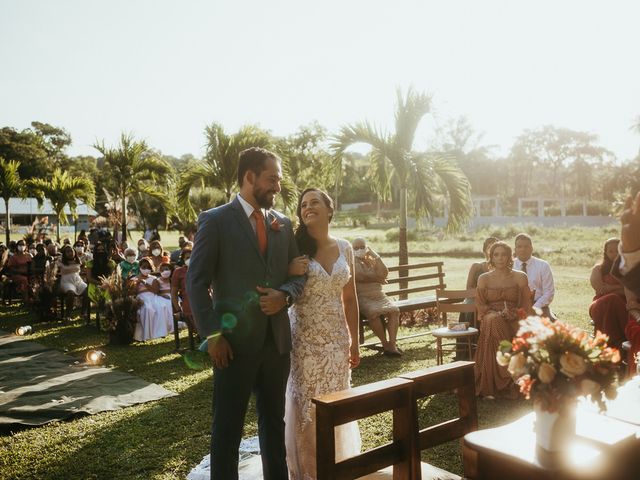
x=572 y=365
x=502 y=358
x=516 y=364
x=546 y=373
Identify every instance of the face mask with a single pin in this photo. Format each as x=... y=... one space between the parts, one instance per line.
x=21 y=248
x=156 y=252
x=33 y=251
x=142 y=248
x=359 y=253
x=186 y=262
x=145 y=271
x=79 y=250
x=131 y=258
x=165 y=273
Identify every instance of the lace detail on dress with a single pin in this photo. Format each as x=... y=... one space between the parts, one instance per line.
x=319 y=361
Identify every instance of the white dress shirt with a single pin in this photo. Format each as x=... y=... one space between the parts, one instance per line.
x=248 y=210
x=540 y=280
x=628 y=260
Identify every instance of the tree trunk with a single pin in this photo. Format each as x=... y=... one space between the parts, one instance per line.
x=8 y=225
x=402 y=239
x=58 y=228
x=124 y=218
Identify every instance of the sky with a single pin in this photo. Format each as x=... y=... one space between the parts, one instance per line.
x=163 y=70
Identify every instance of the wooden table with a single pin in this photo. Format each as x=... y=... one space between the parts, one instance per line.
x=604 y=448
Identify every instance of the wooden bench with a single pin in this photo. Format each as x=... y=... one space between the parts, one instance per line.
x=407 y=294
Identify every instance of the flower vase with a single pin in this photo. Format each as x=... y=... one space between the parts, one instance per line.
x=555 y=430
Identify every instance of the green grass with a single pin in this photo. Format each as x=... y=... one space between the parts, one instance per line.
x=165 y=439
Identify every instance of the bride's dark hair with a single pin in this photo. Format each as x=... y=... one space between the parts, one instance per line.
x=306 y=243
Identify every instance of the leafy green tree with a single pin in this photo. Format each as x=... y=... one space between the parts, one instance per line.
x=424 y=174
x=133 y=169
x=220 y=166
x=28 y=149
x=54 y=140
x=11 y=185
x=62 y=190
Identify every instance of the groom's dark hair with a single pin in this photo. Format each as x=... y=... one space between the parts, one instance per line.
x=253 y=159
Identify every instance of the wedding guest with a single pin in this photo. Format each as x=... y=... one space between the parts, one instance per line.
x=143 y=249
x=83 y=255
x=164 y=308
x=175 y=255
x=179 y=294
x=609 y=307
x=129 y=267
x=71 y=284
x=538 y=273
x=501 y=293
x=19 y=268
x=627 y=265
x=147 y=287
x=158 y=255
x=100 y=266
x=370 y=274
x=83 y=236
x=476 y=269
x=40 y=261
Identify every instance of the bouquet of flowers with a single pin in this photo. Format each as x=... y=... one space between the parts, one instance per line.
x=553 y=363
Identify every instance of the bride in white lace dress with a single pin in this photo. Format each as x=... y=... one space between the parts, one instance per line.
x=324 y=329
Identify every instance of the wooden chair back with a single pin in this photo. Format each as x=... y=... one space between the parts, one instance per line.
x=457 y=377
x=451 y=301
x=361 y=402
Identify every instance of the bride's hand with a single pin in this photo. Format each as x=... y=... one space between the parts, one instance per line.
x=298 y=266
x=354 y=355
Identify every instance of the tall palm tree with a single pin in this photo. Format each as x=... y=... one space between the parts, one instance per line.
x=11 y=185
x=423 y=174
x=220 y=166
x=133 y=169
x=63 y=190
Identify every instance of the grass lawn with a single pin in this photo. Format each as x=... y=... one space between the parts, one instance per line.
x=166 y=438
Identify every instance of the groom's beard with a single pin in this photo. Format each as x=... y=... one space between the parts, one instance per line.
x=265 y=198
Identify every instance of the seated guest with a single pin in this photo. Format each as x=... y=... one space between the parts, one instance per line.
x=475 y=271
x=370 y=274
x=175 y=255
x=158 y=256
x=179 y=295
x=164 y=308
x=538 y=273
x=19 y=269
x=83 y=255
x=501 y=292
x=143 y=249
x=71 y=284
x=40 y=261
x=100 y=266
x=609 y=309
x=129 y=267
x=147 y=287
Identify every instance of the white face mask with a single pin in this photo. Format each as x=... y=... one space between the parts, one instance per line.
x=359 y=253
x=145 y=271
x=165 y=273
x=79 y=250
x=21 y=248
x=142 y=248
x=131 y=258
x=33 y=251
x=186 y=262
x=156 y=252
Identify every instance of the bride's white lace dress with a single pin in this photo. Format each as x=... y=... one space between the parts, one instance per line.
x=319 y=363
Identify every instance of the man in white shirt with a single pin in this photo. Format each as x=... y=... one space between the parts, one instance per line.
x=538 y=272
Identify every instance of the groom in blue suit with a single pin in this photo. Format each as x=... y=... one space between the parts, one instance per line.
x=241 y=253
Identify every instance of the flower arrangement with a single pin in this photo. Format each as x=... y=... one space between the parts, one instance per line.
x=553 y=363
x=122 y=307
x=275 y=225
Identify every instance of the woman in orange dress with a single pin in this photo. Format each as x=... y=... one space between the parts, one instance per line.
x=609 y=307
x=501 y=293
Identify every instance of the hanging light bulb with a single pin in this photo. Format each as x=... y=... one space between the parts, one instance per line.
x=95 y=357
x=24 y=330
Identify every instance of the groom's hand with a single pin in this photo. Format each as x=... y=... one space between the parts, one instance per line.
x=220 y=352
x=271 y=301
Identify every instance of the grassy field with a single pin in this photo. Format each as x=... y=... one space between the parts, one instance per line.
x=166 y=438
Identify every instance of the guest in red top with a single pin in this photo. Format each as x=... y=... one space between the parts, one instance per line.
x=18 y=266
x=609 y=309
x=179 y=296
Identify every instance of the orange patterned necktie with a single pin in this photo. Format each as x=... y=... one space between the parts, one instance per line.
x=261 y=231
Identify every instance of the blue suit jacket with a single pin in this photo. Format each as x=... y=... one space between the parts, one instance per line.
x=226 y=258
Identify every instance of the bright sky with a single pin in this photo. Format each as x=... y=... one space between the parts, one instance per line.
x=165 y=69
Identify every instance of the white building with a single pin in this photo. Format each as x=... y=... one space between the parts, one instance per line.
x=25 y=211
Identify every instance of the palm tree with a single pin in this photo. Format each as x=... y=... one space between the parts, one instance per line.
x=220 y=166
x=133 y=169
x=11 y=185
x=424 y=174
x=63 y=190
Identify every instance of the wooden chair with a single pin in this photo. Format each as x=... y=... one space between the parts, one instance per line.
x=348 y=405
x=450 y=301
x=455 y=377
